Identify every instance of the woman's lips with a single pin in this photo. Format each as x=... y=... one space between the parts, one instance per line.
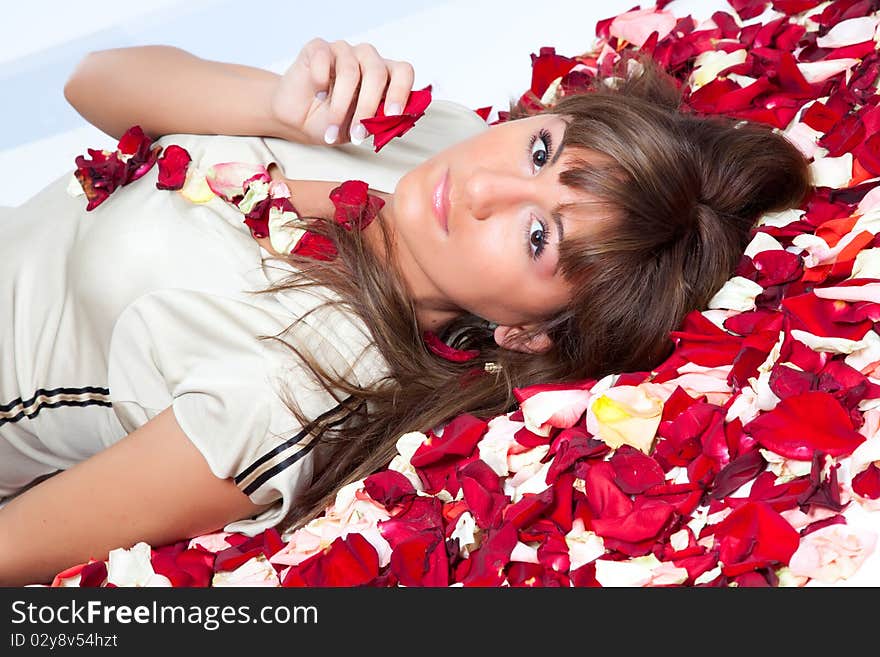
x=441 y=201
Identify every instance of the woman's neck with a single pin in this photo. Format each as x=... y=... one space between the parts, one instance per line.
x=312 y=199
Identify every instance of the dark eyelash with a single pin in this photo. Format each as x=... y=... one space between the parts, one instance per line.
x=545 y=137
x=544 y=241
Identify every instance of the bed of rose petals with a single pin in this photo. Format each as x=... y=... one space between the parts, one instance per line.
x=751 y=457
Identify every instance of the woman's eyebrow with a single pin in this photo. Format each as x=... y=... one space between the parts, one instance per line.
x=555 y=158
x=556 y=215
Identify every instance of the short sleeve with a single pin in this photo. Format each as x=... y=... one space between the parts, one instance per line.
x=199 y=354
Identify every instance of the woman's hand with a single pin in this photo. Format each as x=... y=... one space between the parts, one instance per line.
x=331 y=87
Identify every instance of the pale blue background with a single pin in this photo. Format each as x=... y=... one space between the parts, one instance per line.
x=473 y=51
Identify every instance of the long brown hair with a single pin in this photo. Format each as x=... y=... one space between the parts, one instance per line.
x=680 y=193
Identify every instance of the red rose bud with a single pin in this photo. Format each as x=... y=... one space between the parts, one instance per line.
x=355 y=206
x=172 y=167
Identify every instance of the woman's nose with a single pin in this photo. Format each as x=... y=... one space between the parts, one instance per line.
x=488 y=191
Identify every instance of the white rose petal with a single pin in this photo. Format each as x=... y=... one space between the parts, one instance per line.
x=784 y=468
x=528 y=480
x=867 y=263
x=465 y=531
x=870 y=202
x=497 y=441
x=640 y=571
x=849 y=32
x=782 y=218
x=708 y=576
x=718 y=316
x=257 y=191
x=822 y=70
x=529 y=459
x=524 y=553
x=762 y=241
x=742 y=80
x=554 y=408
x=869 y=220
x=132 y=567
x=679 y=540
x=283 y=235
x=738 y=293
x=549 y=96
x=834 y=172
x=583 y=546
x=823 y=343
x=744 y=407
x=633 y=572
x=409 y=443
x=865 y=454
x=256 y=571
x=804 y=137
x=710 y=63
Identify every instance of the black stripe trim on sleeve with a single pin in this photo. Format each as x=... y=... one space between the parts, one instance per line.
x=287 y=443
x=22 y=414
x=290 y=460
x=286 y=463
x=49 y=392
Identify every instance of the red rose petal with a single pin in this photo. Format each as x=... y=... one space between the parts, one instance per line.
x=349 y=561
x=756 y=535
x=460 y=437
x=546 y=67
x=803 y=424
x=867 y=482
x=420 y=560
x=355 y=207
x=172 y=167
x=489 y=561
x=312 y=245
x=93 y=574
x=439 y=348
x=385 y=128
x=388 y=487
x=483 y=493
x=635 y=472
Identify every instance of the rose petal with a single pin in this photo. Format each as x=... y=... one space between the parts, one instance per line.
x=803 y=424
x=385 y=128
x=173 y=165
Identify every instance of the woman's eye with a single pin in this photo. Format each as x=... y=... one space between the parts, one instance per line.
x=537 y=237
x=539 y=153
x=540 y=148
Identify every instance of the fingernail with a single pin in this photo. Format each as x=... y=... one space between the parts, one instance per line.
x=331 y=134
x=358 y=134
x=320 y=96
x=393 y=109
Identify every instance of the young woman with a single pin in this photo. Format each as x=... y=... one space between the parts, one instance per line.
x=166 y=373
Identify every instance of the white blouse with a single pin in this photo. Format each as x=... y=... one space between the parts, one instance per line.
x=110 y=316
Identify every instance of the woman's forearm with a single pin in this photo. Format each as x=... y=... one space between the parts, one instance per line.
x=167 y=90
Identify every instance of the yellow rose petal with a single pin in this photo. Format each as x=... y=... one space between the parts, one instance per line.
x=608 y=410
x=196 y=189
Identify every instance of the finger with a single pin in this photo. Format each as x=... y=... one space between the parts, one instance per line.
x=308 y=75
x=399 y=86
x=319 y=62
x=374 y=80
x=346 y=78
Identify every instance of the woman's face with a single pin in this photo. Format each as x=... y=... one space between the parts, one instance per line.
x=477 y=228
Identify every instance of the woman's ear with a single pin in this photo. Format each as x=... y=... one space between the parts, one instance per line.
x=516 y=338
